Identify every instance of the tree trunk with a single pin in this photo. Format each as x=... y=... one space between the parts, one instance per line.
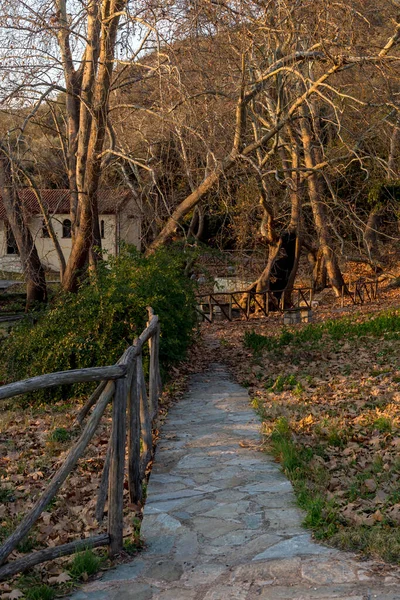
x=280 y=272
x=196 y=228
x=96 y=85
x=318 y=208
x=263 y=282
x=320 y=274
x=371 y=233
x=36 y=290
x=295 y=226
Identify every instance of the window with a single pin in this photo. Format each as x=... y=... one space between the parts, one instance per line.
x=45 y=231
x=102 y=229
x=66 y=228
x=12 y=247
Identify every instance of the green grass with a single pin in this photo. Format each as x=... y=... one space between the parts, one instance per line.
x=321 y=428
x=40 y=592
x=379 y=541
x=385 y=324
x=134 y=544
x=60 y=435
x=33 y=588
x=383 y=424
x=257 y=343
x=85 y=563
x=309 y=480
x=6 y=495
x=27 y=544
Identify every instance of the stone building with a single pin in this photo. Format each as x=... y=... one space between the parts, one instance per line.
x=119 y=218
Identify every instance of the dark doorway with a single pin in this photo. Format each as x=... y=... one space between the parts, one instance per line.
x=12 y=247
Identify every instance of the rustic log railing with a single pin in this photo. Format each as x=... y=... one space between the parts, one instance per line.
x=133 y=412
x=361 y=291
x=242 y=304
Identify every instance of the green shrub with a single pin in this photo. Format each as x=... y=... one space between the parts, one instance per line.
x=94 y=326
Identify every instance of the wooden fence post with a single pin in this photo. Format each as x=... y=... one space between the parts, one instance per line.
x=134 y=481
x=159 y=381
x=145 y=421
x=117 y=469
x=129 y=381
x=103 y=488
x=153 y=376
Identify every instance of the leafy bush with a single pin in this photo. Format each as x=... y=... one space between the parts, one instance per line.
x=95 y=325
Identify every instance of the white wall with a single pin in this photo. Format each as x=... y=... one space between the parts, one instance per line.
x=129 y=231
x=45 y=245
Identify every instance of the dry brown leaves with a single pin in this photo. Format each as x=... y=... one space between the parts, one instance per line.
x=31 y=452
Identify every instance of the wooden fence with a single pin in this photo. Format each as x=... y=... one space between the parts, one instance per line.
x=236 y=305
x=244 y=304
x=133 y=411
x=361 y=291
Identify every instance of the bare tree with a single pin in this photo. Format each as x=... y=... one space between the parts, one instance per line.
x=218 y=88
x=33 y=269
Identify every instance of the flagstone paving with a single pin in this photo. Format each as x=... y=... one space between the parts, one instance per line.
x=220 y=521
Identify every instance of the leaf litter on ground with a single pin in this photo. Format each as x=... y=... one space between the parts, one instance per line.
x=34 y=442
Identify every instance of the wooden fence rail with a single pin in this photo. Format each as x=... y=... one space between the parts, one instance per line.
x=133 y=411
x=361 y=291
x=242 y=304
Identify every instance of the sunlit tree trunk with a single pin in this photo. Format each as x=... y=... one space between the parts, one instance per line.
x=97 y=69
x=318 y=207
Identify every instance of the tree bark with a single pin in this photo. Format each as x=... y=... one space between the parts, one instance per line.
x=320 y=275
x=371 y=233
x=318 y=207
x=96 y=73
x=36 y=290
x=295 y=226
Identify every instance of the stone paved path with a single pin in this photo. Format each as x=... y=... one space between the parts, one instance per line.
x=220 y=521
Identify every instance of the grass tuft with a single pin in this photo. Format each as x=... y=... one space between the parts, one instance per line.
x=85 y=564
x=40 y=592
x=60 y=435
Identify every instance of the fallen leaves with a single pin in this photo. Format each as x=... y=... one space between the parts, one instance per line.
x=15 y=594
x=59 y=579
x=29 y=456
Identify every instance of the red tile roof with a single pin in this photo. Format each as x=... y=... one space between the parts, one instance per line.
x=58 y=201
